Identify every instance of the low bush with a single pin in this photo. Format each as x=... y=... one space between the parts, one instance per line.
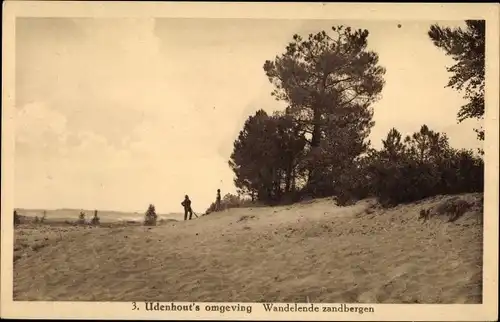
x=454 y=208
x=232 y=201
x=150 y=217
x=81 y=218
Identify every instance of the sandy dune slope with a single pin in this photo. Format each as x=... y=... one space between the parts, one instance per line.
x=314 y=252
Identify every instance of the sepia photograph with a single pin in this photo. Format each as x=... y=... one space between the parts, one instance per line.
x=215 y=164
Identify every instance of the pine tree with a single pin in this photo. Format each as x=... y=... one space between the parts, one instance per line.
x=252 y=154
x=150 y=216
x=467 y=48
x=393 y=146
x=266 y=155
x=329 y=82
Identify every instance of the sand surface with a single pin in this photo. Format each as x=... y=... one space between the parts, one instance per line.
x=315 y=251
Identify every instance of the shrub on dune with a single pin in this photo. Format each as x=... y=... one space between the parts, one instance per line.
x=150 y=217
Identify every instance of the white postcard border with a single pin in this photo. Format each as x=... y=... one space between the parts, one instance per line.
x=398 y=12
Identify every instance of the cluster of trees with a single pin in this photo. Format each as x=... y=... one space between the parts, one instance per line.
x=230 y=201
x=81 y=218
x=319 y=145
x=420 y=165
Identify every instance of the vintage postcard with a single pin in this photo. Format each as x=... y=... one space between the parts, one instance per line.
x=250 y=161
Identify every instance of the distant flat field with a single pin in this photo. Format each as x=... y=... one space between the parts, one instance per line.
x=315 y=251
x=105 y=216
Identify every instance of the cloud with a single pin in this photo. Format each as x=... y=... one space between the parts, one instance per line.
x=104 y=83
x=39 y=130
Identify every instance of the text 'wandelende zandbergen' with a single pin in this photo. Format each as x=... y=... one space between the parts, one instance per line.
x=313 y=308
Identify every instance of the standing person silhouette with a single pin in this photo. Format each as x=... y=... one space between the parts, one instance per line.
x=218 y=201
x=187 y=207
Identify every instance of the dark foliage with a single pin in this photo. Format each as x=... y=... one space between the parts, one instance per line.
x=150 y=217
x=467 y=48
x=318 y=146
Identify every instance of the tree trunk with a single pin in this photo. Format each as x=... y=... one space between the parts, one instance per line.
x=315 y=141
x=316 y=134
x=288 y=178
x=277 y=185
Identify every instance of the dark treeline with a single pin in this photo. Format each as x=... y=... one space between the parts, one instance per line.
x=319 y=145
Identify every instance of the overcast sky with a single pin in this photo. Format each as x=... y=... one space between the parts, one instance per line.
x=119 y=113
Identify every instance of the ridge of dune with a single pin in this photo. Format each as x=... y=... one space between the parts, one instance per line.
x=314 y=251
